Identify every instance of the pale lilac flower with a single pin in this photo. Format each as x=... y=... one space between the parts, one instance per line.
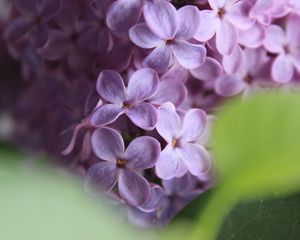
x=182 y=154
x=128 y=100
x=121 y=166
x=261 y=11
x=210 y=70
x=33 y=20
x=254 y=70
x=287 y=46
x=167 y=31
x=223 y=21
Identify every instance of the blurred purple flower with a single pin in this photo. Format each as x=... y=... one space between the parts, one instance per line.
x=182 y=154
x=142 y=85
x=167 y=31
x=122 y=165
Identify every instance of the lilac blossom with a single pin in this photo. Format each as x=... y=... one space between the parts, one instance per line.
x=142 y=85
x=223 y=21
x=287 y=46
x=33 y=20
x=122 y=166
x=170 y=37
x=182 y=154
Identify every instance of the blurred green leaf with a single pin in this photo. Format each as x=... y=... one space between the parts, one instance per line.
x=38 y=204
x=257 y=155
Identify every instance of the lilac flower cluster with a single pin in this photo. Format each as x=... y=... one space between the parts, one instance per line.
x=139 y=134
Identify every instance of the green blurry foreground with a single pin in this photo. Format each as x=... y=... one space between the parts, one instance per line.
x=257 y=150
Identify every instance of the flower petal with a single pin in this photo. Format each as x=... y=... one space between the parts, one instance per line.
x=26 y=7
x=155 y=195
x=176 y=94
x=189 y=55
x=110 y=86
x=210 y=70
x=188 y=22
x=226 y=38
x=49 y=8
x=101 y=177
x=232 y=63
x=159 y=59
x=16 y=29
x=292 y=29
x=133 y=188
x=107 y=144
x=142 y=84
x=208 y=25
x=142 y=36
x=161 y=18
x=143 y=115
x=168 y=124
x=252 y=37
x=142 y=153
x=229 y=85
x=275 y=39
x=194 y=125
x=40 y=34
x=282 y=69
x=217 y=4
x=122 y=15
x=167 y=164
x=196 y=158
x=105 y=114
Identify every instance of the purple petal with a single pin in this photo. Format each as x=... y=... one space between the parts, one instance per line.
x=292 y=30
x=122 y=15
x=196 y=158
x=16 y=29
x=182 y=169
x=106 y=114
x=208 y=25
x=141 y=36
x=175 y=95
x=159 y=59
x=217 y=4
x=229 y=85
x=226 y=38
x=238 y=14
x=101 y=176
x=107 y=144
x=189 y=55
x=143 y=115
x=296 y=61
x=188 y=22
x=275 y=39
x=155 y=195
x=142 y=153
x=168 y=124
x=210 y=70
x=282 y=69
x=176 y=73
x=161 y=18
x=72 y=143
x=49 y=8
x=194 y=125
x=110 y=86
x=167 y=164
x=133 y=188
x=253 y=37
x=232 y=63
x=260 y=7
x=142 y=84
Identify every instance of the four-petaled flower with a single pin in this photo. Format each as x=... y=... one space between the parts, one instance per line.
x=128 y=100
x=182 y=153
x=121 y=166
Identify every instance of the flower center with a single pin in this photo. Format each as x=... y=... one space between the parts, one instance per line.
x=221 y=12
x=126 y=105
x=121 y=163
x=248 y=78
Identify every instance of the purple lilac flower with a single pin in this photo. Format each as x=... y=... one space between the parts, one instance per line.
x=287 y=46
x=128 y=100
x=169 y=37
x=122 y=166
x=182 y=154
x=223 y=21
x=33 y=20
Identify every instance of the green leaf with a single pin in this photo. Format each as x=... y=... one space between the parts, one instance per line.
x=257 y=151
x=39 y=204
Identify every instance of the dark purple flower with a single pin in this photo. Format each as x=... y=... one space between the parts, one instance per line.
x=121 y=166
x=130 y=100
